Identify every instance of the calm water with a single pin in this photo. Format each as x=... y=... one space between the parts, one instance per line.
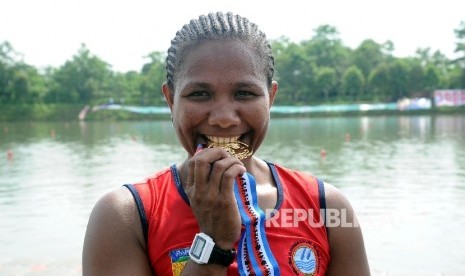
x=405 y=177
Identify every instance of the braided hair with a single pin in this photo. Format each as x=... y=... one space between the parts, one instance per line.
x=218 y=26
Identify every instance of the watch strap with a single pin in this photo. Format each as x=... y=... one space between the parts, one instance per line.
x=221 y=256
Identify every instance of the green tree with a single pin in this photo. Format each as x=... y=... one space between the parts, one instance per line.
x=353 y=83
x=379 y=83
x=437 y=59
x=20 y=88
x=416 y=76
x=153 y=76
x=367 y=56
x=84 y=79
x=424 y=55
x=460 y=49
x=326 y=49
x=432 y=79
x=6 y=72
x=124 y=88
x=326 y=80
x=399 y=79
x=295 y=73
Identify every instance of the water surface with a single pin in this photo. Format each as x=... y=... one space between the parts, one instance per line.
x=404 y=175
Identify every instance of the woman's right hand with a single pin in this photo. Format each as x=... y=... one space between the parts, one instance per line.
x=210 y=189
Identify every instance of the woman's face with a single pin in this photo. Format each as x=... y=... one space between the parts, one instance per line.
x=220 y=95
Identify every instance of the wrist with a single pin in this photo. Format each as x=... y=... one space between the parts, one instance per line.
x=224 y=245
x=204 y=251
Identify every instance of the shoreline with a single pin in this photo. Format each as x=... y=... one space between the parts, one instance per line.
x=70 y=113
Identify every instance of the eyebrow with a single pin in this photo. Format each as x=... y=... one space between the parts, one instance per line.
x=202 y=85
x=246 y=84
x=207 y=86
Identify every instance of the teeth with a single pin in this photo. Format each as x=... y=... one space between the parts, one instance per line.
x=222 y=140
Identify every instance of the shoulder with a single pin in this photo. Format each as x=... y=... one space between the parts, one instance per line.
x=335 y=199
x=118 y=206
x=347 y=248
x=117 y=212
x=114 y=237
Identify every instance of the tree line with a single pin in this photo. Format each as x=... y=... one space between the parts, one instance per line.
x=314 y=71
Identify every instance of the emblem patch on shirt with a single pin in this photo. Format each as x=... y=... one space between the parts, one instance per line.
x=179 y=257
x=303 y=258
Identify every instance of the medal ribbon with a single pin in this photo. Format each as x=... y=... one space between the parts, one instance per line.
x=254 y=256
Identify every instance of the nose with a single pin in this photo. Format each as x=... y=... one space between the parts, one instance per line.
x=224 y=115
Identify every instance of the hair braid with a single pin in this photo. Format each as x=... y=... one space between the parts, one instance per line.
x=218 y=26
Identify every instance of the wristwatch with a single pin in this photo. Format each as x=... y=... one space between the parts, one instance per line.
x=204 y=251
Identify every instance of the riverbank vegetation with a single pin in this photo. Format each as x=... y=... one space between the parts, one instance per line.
x=320 y=70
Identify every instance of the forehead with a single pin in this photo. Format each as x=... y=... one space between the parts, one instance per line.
x=226 y=59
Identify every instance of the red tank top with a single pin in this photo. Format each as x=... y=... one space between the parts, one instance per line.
x=295 y=230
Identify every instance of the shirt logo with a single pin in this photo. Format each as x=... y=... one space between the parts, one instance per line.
x=179 y=257
x=303 y=259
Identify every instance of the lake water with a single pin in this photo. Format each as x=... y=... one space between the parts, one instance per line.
x=404 y=175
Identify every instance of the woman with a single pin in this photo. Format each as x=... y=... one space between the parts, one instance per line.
x=223 y=211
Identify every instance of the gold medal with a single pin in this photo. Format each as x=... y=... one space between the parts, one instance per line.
x=238 y=149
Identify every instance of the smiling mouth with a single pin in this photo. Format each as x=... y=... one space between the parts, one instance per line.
x=221 y=140
x=232 y=145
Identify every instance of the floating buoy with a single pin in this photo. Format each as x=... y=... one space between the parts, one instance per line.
x=323 y=153
x=9 y=155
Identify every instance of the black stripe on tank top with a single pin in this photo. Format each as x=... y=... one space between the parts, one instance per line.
x=322 y=199
x=140 y=209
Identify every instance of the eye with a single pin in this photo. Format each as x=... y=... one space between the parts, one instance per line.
x=244 y=95
x=198 y=95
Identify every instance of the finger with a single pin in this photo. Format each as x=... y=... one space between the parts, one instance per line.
x=191 y=165
x=218 y=170
x=190 y=173
x=203 y=164
x=227 y=182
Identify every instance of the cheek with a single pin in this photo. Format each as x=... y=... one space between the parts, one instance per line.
x=186 y=120
x=259 y=119
x=261 y=113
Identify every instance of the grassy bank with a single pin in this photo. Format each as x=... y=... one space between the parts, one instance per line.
x=39 y=112
x=123 y=115
x=66 y=112
x=69 y=112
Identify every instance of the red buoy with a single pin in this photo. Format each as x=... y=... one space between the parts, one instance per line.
x=9 y=155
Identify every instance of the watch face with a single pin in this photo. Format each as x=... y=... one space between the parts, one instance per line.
x=198 y=247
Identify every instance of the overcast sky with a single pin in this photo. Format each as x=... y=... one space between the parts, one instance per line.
x=122 y=32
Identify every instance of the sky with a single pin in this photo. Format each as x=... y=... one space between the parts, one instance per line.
x=124 y=32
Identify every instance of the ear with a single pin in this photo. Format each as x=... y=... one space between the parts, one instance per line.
x=168 y=93
x=272 y=92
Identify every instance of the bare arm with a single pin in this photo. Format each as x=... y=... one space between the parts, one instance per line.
x=114 y=242
x=347 y=249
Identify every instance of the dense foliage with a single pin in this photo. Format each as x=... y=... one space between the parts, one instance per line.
x=314 y=71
